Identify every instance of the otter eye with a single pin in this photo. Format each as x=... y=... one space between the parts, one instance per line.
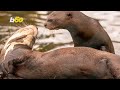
x=69 y=15
x=50 y=20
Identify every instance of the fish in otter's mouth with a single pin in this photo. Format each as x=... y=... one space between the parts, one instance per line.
x=25 y=36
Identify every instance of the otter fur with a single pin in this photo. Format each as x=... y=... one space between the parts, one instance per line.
x=85 y=31
x=21 y=62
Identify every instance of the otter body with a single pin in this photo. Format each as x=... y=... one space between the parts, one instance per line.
x=66 y=63
x=85 y=31
x=21 y=62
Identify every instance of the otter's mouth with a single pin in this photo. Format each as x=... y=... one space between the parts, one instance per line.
x=53 y=28
x=23 y=36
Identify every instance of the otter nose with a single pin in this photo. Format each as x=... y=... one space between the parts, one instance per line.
x=45 y=25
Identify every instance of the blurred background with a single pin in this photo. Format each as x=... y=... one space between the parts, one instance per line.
x=51 y=40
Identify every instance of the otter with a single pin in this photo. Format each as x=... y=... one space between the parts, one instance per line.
x=85 y=31
x=24 y=36
x=21 y=62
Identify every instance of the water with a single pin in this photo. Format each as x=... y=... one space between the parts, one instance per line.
x=7 y=28
x=46 y=40
x=50 y=40
x=110 y=20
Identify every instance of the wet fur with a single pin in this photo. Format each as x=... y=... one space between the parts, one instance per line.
x=85 y=31
x=66 y=63
x=21 y=62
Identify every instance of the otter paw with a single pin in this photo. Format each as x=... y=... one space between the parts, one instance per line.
x=10 y=67
x=7 y=67
x=11 y=76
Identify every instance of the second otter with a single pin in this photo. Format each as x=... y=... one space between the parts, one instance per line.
x=84 y=30
x=21 y=62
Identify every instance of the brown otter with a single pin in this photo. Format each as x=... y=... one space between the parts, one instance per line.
x=66 y=63
x=84 y=30
x=24 y=36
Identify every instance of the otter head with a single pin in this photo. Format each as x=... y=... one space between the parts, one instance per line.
x=59 y=20
x=24 y=36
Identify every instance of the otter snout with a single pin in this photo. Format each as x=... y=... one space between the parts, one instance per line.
x=45 y=25
x=50 y=24
x=48 y=21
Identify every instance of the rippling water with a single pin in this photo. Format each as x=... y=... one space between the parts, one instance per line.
x=45 y=40
x=49 y=40
x=30 y=17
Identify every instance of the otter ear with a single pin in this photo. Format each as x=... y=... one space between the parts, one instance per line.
x=69 y=15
